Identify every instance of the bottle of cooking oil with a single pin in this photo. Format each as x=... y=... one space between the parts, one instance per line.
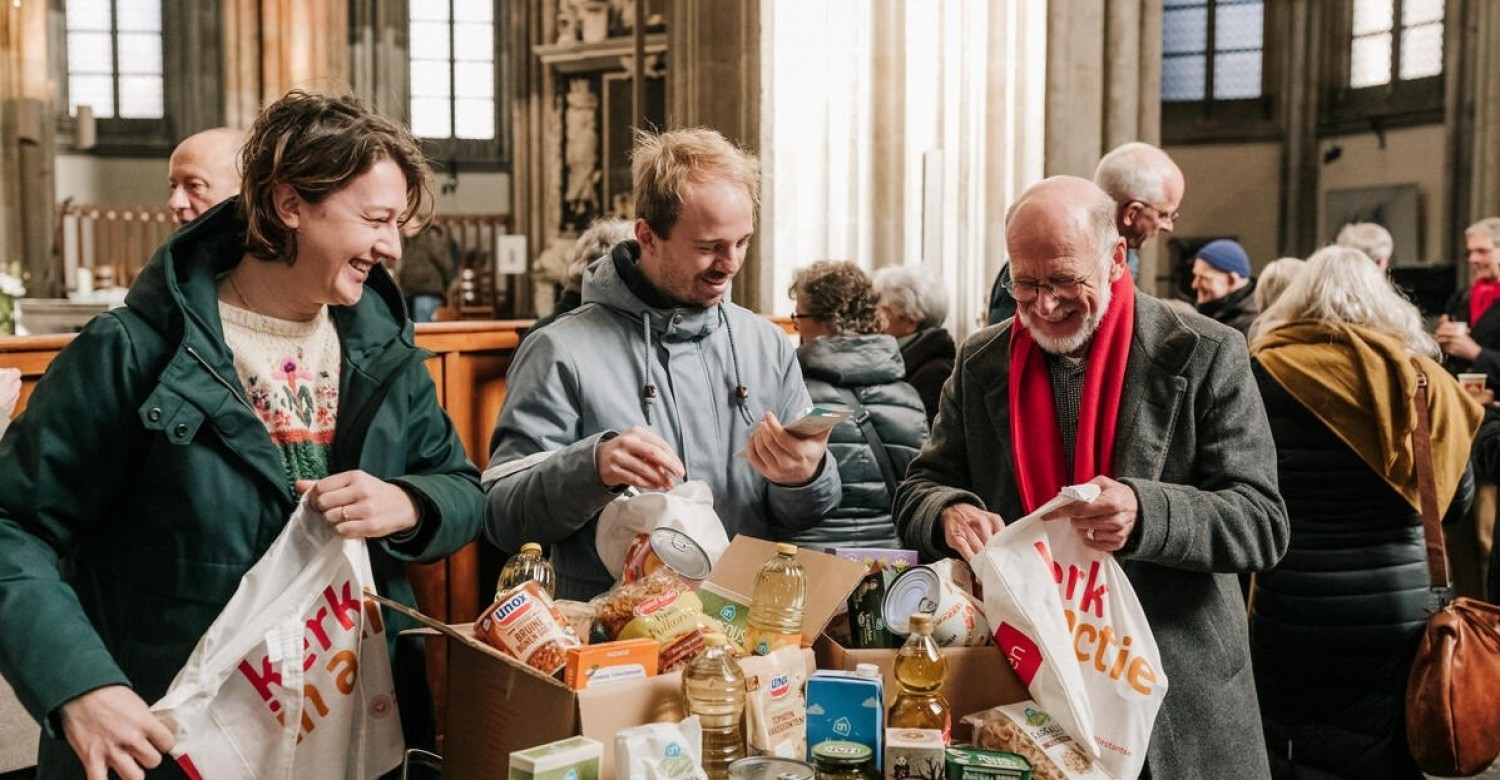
x=713 y=688
x=776 y=605
x=920 y=669
x=528 y=564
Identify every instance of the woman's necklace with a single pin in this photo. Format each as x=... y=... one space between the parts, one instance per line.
x=245 y=303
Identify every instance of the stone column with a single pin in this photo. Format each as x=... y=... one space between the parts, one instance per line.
x=888 y=133
x=272 y=46
x=28 y=146
x=1485 y=190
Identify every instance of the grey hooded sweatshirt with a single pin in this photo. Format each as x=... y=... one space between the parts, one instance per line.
x=586 y=376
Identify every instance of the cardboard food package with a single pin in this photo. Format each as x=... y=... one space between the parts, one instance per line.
x=978 y=677
x=498 y=705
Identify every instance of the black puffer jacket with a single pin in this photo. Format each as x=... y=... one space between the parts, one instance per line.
x=929 y=361
x=871 y=367
x=1335 y=625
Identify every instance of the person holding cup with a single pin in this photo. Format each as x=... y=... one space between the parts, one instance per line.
x=1468 y=332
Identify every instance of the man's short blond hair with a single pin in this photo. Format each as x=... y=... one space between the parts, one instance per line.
x=662 y=165
x=1367 y=237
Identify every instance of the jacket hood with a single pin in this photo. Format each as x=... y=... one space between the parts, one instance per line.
x=845 y=361
x=177 y=291
x=929 y=344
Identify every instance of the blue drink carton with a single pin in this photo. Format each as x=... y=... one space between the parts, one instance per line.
x=847 y=706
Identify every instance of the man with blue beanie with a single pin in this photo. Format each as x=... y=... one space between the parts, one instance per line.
x=1221 y=278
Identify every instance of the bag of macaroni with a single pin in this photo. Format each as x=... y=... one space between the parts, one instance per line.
x=293 y=678
x=1069 y=622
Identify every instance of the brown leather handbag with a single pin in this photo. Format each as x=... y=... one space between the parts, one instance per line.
x=1453 y=692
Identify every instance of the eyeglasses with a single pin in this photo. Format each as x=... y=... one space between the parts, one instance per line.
x=1169 y=216
x=796 y=317
x=1065 y=289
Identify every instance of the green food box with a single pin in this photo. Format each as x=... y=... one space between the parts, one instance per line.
x=975 y=764
x=574 y=758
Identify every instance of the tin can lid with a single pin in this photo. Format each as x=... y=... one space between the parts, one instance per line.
x=680 y=553
x=842 y=753
x=770 y=768
x=917 y=589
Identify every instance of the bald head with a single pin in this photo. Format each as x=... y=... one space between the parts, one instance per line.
x=1062 y=210
x=1147 y=188
x=204 y=171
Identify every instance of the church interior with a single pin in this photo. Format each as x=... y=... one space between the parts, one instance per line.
x=888 y=132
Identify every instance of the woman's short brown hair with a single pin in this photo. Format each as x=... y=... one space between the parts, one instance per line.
x=662 y=165
x=318 y=144
x=839 y=295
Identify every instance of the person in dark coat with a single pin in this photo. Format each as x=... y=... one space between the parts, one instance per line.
x=846 y=361
x=1335 y=625
x=168 y=444
x=1166 y=422
x=1226 y=291
x=1469 y=328
x=914 y=306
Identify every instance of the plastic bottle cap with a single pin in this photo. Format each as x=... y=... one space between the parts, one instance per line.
x=867 y=670
x=786 y=549
x=531 y=547
x=921 y=622
x=715 y=639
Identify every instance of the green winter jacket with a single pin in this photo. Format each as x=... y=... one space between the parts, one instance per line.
x=139 y=464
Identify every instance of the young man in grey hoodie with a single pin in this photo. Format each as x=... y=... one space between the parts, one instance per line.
x=658 y=378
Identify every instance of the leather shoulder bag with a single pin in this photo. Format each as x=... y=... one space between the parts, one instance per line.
x=1453 y=691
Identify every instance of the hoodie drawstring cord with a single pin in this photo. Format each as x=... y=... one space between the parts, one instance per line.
x=741 y=393
x=648 y=390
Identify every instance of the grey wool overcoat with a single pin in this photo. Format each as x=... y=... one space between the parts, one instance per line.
x=1193 y=443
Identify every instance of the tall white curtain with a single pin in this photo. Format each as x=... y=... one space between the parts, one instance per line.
x=898 y=133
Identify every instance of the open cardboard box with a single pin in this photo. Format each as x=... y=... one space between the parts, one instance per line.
x=978 y=677
x=497 y=704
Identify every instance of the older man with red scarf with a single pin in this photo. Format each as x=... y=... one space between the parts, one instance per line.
x=1469 y=329
x=1094 y=382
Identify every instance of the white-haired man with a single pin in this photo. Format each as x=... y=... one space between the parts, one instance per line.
x=1093 y=382
x=1147 y=187
x=1370 y=238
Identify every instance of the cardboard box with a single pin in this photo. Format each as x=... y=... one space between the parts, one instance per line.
x=978 y=677
x=497 y=705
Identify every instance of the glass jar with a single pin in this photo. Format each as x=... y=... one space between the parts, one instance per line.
x=840 y=760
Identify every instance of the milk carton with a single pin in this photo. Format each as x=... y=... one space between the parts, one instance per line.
x=575 y=758
x=847 y=706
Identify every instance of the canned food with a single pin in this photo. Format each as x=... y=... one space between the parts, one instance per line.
x=769 y=768
x=524 y=624
x=667 y=547
x=957 y=617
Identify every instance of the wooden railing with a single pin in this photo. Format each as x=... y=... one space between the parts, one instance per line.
x=112 y=241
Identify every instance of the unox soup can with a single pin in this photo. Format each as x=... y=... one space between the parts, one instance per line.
x=957 y=617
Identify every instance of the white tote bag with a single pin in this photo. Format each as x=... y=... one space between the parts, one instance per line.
x=293 y=679
x=1069 y=622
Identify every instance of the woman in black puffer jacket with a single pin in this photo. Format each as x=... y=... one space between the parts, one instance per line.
x=1335 y=625
x=847 y=359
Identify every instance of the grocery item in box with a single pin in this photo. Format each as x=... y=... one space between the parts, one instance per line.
x=589 y=666
x=915 y=754
x=663 y=607
x=866 y=621
x=1023 y=728
x=524 y=624
x=727 y=608
x=775 y=710
x=876 y=558
x=847 y=706
x=574 y=758
x=958 y=617
x=975 y=764
x=660 y=751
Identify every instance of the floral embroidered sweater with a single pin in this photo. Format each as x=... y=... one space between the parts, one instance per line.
x=290 y=371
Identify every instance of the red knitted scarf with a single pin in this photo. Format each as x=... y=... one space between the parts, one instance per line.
x=1484 y=293
x=1036 y=441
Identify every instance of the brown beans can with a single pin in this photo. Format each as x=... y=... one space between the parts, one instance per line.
x=525 y=625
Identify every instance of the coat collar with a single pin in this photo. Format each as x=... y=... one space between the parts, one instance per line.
x=604 y=284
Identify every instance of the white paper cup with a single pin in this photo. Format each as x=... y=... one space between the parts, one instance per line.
x=1459 y=328
x=1472 y=382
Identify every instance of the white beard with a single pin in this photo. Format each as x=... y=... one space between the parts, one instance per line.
x=1074 y=343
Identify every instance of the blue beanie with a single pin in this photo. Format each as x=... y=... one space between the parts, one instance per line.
x=1226 y=255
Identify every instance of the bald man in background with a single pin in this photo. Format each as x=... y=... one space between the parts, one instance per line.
x=203 y=171
x=1147 y=187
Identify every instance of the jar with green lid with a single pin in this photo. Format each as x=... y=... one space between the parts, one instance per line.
x=840 y=760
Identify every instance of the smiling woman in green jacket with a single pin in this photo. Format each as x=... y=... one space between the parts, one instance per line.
x=264 y=353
